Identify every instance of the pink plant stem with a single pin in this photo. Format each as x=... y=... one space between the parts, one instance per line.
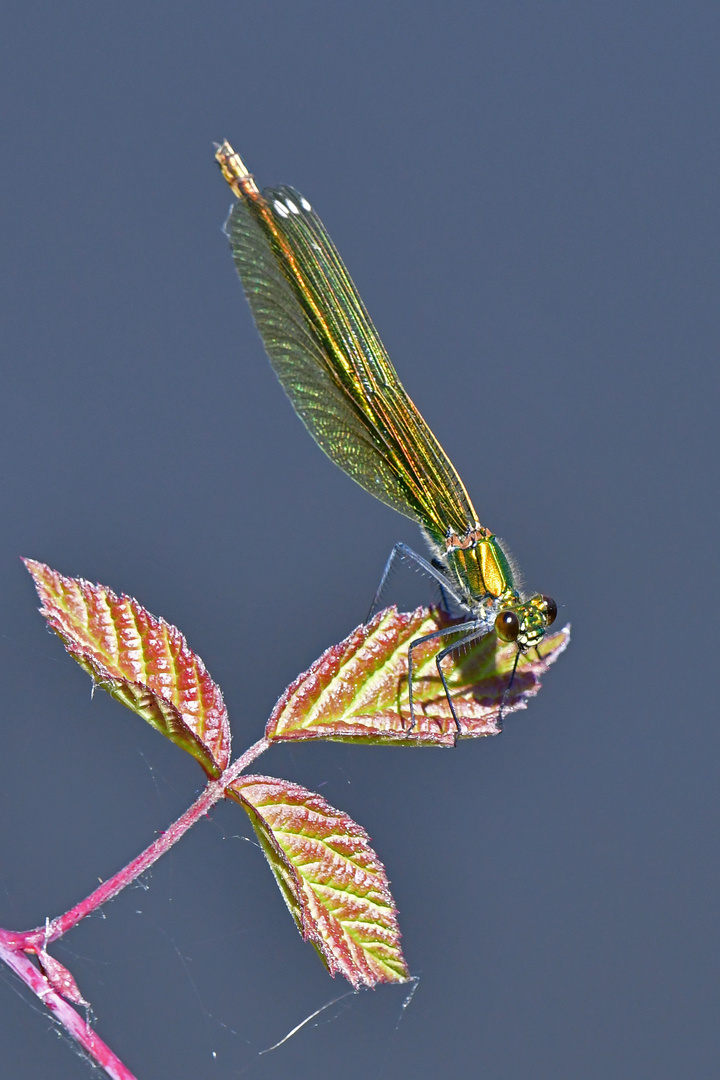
x=13 y=944
x=73 y=1023
x=40 y=937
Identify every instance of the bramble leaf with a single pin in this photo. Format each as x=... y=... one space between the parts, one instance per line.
x=358 y=690
x=140 y=660
x=331 y=879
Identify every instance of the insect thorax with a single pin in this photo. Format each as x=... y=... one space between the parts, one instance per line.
x=485 y=576
x=481 y=568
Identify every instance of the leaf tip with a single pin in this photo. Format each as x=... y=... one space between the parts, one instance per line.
x=36 y=569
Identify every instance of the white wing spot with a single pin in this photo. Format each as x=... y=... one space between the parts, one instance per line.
x=280 y=209
x=291 y=206
x=305 y=204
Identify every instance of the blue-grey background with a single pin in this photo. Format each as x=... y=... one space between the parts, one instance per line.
x=527 y=196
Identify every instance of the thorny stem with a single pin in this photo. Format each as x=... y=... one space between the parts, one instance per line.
x=13 y=944
x=63 y=1012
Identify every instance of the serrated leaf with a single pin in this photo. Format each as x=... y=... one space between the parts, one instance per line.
x=332 y=881
x=140 y=660
x=358 y=690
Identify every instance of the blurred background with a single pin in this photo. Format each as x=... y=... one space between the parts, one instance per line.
x=526 y=195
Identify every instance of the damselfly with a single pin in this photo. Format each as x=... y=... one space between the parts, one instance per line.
x=332 y=365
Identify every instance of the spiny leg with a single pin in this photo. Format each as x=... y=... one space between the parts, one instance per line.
x=421 y=641
x=446 y=652
x=402 y=551
x=444 y=596
x=507 y=689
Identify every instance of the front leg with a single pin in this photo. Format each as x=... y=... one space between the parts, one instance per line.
x=471 y=624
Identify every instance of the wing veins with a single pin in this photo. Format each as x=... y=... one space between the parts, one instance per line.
x=332 y=329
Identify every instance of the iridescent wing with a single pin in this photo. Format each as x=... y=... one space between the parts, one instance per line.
x=331 y=363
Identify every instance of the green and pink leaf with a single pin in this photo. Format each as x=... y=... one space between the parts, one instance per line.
x=358 y=690
x=332 y=881
x=139 y=659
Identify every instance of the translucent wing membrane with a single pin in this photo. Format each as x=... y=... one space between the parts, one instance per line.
x=328 y=356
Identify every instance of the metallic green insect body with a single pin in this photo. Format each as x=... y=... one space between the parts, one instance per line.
x=332 y=365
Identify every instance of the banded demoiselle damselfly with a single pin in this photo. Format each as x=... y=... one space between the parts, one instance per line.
x=332 y=365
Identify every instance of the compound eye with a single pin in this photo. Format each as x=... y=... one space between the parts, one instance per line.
x=507 y=625
x=550 y=610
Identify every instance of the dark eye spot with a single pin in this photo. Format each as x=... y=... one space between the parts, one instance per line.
x=550 y=610
x=507 y=625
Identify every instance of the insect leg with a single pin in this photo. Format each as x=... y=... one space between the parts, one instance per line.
x=402 y=551
x=446 y=652
x=443 y=588
x=506 y=691
x=431 y=637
